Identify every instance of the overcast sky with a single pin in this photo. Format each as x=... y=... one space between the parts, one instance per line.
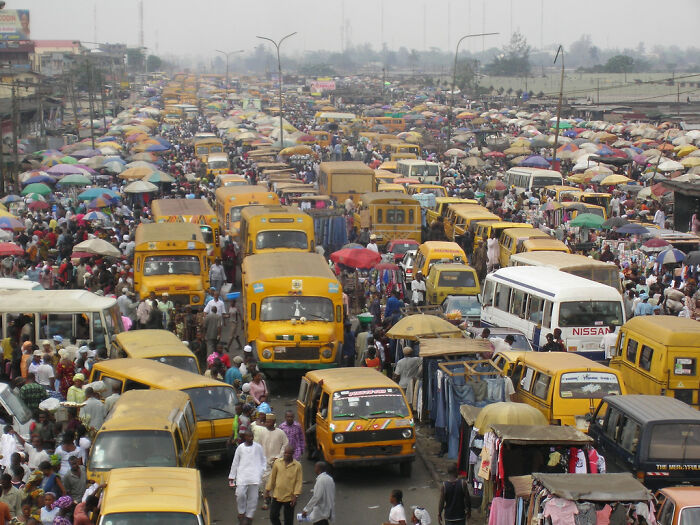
x=197 y=28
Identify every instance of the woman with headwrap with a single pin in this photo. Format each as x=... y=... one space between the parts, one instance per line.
x=64 y=504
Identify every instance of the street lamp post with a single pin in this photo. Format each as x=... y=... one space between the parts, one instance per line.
x=228 y=56
x=279 y=73
x=454 y=81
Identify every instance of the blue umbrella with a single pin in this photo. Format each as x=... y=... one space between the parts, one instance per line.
x=163 y=142
x=632 y=229
x=93 y=193
x=46 y=179
x=7 y=199
x=670 y=256
x=156 y=147
x=535 y=161
x=95 y=216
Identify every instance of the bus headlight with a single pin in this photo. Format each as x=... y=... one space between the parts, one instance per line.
x=267 y=354
x=338 y=438
x=326 y=353
x=407 y=433
x=195 y=298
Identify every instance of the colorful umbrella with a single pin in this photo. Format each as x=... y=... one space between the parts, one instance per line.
x=74 y=179
x=587 y=220
x=356 y=258
x=656 y=242
x=40 y=188
x=99 y=202
x=7 y=199
x=632 y=229
x=671 y=256
x=38 y=205
x=95 y=216
x=9 y=222
x=10 y=248
x=92 y=193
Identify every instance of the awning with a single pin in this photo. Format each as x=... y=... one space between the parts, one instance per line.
x=541 y=434
x=594 y=487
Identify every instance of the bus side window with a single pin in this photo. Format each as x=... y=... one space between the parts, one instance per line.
x=618 y=345
x=487 y=296
x=541 y=387
x=534 y=310
x=632 y=350
x=516 y=303
x=645 y=357
x=547 y=315
x=135 y=385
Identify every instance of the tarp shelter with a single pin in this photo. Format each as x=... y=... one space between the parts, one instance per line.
x=594 y=487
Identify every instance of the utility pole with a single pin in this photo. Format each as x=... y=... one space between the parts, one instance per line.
x=74 y=103
x=91 y=103
x=598 y=92
x=102 y=99
x=15 y=133
x=561 y=95
x=2 y=161
x=42 y=126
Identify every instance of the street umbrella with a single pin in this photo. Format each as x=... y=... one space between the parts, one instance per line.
x=352 y=246
x=97 y=247
x=356 y=257
x=137 y=172
x=7 y=199
x=39 y=179
x=670 y=256
x=656 y=242
x=99 y=202
x=8 y=222
x=38 y=205
x=455 y=152
x=66 y=169
x=495 y=185
x=508 y=413
x=422 y=325
x=140 y=186
x=40 y=188
x=10 y=248
x=632 y=229
x=74 y=179
x=693 y=258
x=587 y=220
x=615 y=222
x=92 y=193
x=158 y=177
x=614 y=180
x=113 y=167
x=535 y=161
x=95 y=216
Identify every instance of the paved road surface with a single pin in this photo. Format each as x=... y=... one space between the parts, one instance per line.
x=362 y=494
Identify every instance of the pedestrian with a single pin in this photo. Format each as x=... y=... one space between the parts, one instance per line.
x=420 y=516
x=320 y=508
x=84 y=509
x=217 y=275
x=211 y=326
x=246 y=475
x=407 y=369
x=75 y=393
x=75 y=480
x=295 y=434
x=32 y=393
x=273 y=441
x=217 y=301
x=418 y=290
x=455 y=506
x=347 y=351
x=397 y=514
x=10 y=495
x=284 y=487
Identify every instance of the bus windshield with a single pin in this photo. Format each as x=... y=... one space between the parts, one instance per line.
x=457 y=279
x=18 y=408
x=133 y=448
x=150 y=518
x=235 y=213
x=207 y=234
x=369 y=403
x=182 y=362
x=171 y=265
x=281 y=239
x=295 y=307
x=588 y=385
x=590 y=313
x=213 y=402
x=217 y=164
x=541 y=181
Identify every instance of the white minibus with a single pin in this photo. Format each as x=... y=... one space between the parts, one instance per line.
x=536 y=300
x=532 y=179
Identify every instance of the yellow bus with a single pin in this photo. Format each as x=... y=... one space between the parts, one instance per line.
x=195 y=211
x=405 y=147
x=391 y=123
x=207 y=143
x=217 y=163
x=563 y=193
x=460 y=217
x=484 y=229
x=171 y=258
x=230 y=201
x=346 y=180
x=586 y=267
x=293 y=310
x=214 y=401
x=566 y=211
x=441 y=204
x=511 y=240
x=389 y=215
x=160 y=345
x=279 y=229
x=423 y=170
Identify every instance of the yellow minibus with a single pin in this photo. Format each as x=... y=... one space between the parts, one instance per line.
x=346 y=180
x=231 y=200
x=389 y=215
x=160 y=345
x=279 y=229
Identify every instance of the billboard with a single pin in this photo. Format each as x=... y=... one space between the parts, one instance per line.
x=322 y=84
x=14 y=24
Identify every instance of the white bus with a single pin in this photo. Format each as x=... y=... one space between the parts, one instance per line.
x=68 y=313
x=532 y=179
x=537 y=299
x=424 y=171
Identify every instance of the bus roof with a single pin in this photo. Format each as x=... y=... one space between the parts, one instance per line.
x=558 y=260
x=414 y=162
x=229 y=192
x=553 y=362
x=385 y=196
x=143 y=409
x=351 y=378
x=534 y=171
x=166 y=376
x=153 y=489
x=181 y=207
x=524 y=233
x=667 y=329
x=555 y=284
x=250 y=212
x=441 y=245
x=167 y=231
x=57 y=301
x=346 y=167
x=648 y=409
x=336 y=115
x=145 y=344
x=263 y=266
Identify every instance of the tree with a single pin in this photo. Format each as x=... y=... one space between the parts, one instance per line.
x=466 y=77
x=514 y=60
x=620 y=64
x=153 y=63
x=135 y=58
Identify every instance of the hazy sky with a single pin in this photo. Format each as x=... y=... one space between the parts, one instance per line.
x=183 y=27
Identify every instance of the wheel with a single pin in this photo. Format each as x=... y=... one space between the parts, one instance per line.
x=405 y=468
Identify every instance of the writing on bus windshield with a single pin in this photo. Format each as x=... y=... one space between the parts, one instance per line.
x=369 y=403
x=281 y=239
x=286 y=308
x=171 y=264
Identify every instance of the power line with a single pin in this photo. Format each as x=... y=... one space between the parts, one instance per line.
x=619 y=86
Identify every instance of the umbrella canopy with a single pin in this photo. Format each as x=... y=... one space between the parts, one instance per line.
x=98 y=247
x=74 y=179
x=10 y=248
x=95 y=216
x=92 y=193
x=39 y=179
x=140 y=186
x=632 y=229
x=615 y=222
x=587 y=220
x=656 y=242
x=454 y=152
x=495 y=185
x=356 y=257
x=135 y=173
x=8 y=222
x=508 y=413
x=671 y=256
x=65 y=169
x=614 y=180
x=158 y=177
x=38 y=205
x=693 y=258
x=40 y=188
x=7 y=199
x=99 y=202
x=535 y=161
x=422 y=325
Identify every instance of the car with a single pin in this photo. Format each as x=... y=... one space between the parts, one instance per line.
x=406 y=265
x=399 y=247
x=521 y=343
x=678 y=505
x=467 y=305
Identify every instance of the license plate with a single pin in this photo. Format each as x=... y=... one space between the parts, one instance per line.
x=215 y=457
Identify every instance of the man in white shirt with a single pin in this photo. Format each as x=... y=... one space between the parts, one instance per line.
x=273 y=441
x=608 y=342
x=44 y=373
x=216 y=301
x=319 y=509
x=372 y=244
x=94 y=409
x=660 y=218
x=246 y=474
x=418 y=290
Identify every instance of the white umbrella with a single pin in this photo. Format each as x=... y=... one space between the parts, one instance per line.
x=98 y=247
x=671 y=165
x=140 y=186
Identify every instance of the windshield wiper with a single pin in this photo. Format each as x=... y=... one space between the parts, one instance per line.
x=222 y=410
x=317 y=317
x=384 y=412
x=351 y=415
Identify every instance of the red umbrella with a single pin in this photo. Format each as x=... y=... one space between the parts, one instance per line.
x=659 y=189
x=656 y=242
x=356 y=257
x=495 y=154
x=38 y=205
x=10 y=248
x=386 y=266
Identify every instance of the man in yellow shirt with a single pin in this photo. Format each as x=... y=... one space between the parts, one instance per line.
x=284 y=486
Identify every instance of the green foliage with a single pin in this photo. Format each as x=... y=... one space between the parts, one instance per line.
x=620 y=64
x=514 y=60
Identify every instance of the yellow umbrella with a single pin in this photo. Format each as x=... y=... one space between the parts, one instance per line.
x=297 y=150
x=690 y=162
x=421 y=325
x=5 y=213
x=614 y=180
x=682 y=151
x=138 y=172
x=517 y=150
x=578 y=178
x=507 y=413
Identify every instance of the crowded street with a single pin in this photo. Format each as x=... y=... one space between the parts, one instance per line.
x=233 y=296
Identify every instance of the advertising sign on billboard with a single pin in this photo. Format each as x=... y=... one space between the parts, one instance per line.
x=14 y=24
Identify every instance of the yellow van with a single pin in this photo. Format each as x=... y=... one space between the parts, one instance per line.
x=279 y=229
x=389 y=165
x=435 y=189
x=171 y=257
x=564 y=386
x=441 y=204
x=139 y=495
x=230 y=201
x=542 y=244
x=146 y=428
x=160 y=345
x=217 y=164
x=214 y=402
x=230 y=179
x=562 y=193
x=432 y=252
x=658 y=355
x=388 y=186
x=450 y=279
x=293 y=310
x=361 y=417
x=510 y=241
x=459 y=217
x=389 y=215
x=484 y=229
